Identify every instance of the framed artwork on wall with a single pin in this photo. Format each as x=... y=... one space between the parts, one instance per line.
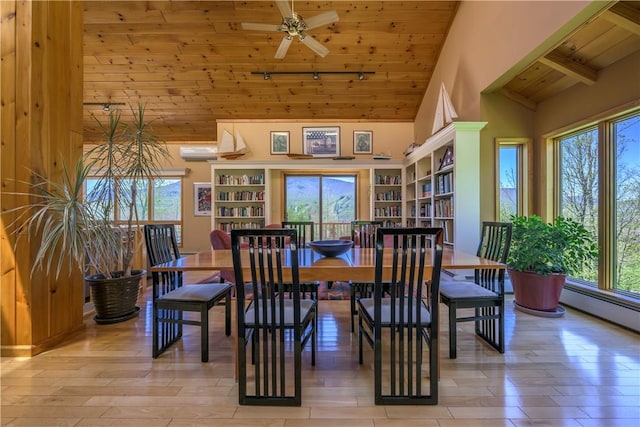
x=321 y=141
x=202 y=198
x=362 y=142
x=280 y=142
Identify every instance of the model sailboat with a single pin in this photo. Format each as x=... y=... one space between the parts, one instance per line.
x=445 y=112
x=230 y=148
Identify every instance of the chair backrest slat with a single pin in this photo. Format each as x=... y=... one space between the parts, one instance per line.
x=304 y=229
x=495 y=241
x=364 y=233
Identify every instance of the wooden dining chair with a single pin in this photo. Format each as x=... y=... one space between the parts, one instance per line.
x=485 y=294
x=363 y=234
x=171 y=297
x=408 y=314
x=305 y=235
x=276 y=324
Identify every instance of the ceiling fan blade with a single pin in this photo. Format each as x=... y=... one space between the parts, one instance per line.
x=285 y=9
x=259 y=27
x=284 y=46
x=324 y=18
x=315 y=45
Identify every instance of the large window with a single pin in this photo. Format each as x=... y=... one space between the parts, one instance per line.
x=512 y=191
x=160 y=199
x=327 y=200
x=579 y=186
x=599 y=186
x=626 y=136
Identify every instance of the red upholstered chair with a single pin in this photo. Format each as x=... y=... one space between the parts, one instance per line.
x=222 y=240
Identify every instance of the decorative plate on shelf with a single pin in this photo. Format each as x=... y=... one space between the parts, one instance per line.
x=297 y=156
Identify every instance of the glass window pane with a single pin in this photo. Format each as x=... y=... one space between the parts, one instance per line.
x=579 y=186
x=98 y=193
x=302 y=194
x=627 y=170
x=338 y=198
x=327 y=200
x=167 y=199
x=509 y=179
x=126 y=194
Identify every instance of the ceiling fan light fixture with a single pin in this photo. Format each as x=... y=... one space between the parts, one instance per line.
x=292 y=25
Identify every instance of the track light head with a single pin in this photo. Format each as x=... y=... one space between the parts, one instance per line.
x=316 y=76
x=360 y=76
x=106 y=108
x=267 y=76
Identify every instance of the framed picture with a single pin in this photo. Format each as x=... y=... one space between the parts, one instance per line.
x=321 y=141
x=447 y=158
x=202 y=198
x=362 y=142
x=280 y=142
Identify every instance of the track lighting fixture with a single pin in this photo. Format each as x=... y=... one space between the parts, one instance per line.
x=106 y=106
x=314 y=74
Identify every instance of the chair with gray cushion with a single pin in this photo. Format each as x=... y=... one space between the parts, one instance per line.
x=363 y=234
x=171 y=297
x=402 y=325
x=276 y=323
x=485 y=294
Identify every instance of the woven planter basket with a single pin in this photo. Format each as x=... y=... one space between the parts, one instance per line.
x=115 y=299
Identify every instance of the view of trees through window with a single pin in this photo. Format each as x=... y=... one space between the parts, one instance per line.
x=579 y=186
x=327 y=200
x=163 y=203
x=626 y=133
x=580 y=173
x=509 y=182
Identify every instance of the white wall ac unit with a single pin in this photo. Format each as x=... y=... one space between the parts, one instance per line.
x=199 y=152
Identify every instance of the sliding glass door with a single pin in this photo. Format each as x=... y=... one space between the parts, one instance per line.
x=327 y=200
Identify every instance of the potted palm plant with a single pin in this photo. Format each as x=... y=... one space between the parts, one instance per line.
x=80 y=228
x=540 y=257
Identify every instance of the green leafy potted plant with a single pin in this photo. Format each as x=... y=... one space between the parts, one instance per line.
x=542 y=254
x=80 y=229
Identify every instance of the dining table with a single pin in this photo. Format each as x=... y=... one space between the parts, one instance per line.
x=357 y=264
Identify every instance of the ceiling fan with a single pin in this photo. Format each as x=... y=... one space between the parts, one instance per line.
x=293 y=25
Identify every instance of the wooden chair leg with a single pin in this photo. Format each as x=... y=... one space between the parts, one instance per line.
x=204 y=333
x=352 y=297
x=452 y=332
x=227 y=314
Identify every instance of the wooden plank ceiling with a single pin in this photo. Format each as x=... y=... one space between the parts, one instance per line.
x=191 y=63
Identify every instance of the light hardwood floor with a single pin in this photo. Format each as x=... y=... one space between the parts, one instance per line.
x=569 y=371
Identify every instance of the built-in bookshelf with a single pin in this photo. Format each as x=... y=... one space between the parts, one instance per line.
x=411 y=175
x=239 y=198
x=387 y=196
x=424 y=192
x=443 y=184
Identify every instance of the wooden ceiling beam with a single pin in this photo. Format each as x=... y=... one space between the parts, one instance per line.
x=625 y=16
x=525 y=102
x=571 y=68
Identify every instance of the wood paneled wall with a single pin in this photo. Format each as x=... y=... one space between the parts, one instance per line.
x=41 y=130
